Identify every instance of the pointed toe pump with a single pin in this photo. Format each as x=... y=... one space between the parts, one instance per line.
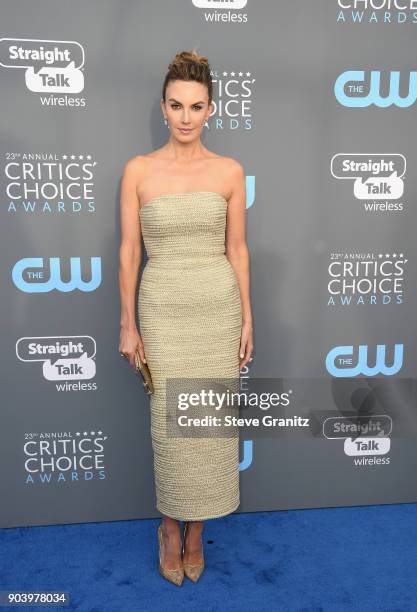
x=193 y=571
x=173 y=575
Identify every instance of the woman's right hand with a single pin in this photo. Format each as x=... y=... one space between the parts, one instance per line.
x=130 y=340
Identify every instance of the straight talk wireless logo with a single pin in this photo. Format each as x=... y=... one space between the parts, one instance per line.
x=68 y=361
x=376 y=178
x=50 y=67
x=365 y=438
x=223 y=11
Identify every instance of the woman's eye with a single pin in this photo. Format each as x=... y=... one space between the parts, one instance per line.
x=195 y=107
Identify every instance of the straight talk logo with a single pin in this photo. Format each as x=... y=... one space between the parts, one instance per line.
x=50 y=66
x=365 y=438
x=69 y=361
x=377 y=179
x=223 y=11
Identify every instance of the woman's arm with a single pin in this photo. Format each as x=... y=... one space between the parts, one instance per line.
x=130 y=256
x=237 y=253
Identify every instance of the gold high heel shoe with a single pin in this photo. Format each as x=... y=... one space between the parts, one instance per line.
x=174 y=575
x=192 y=571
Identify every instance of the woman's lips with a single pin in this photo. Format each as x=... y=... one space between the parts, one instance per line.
x=185 y=130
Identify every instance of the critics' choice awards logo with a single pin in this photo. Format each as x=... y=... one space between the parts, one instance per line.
x=64 y=457
x=39 y=275
x=45 y=183
x=377 y=178
x=223 y=11
x=232 y=100
x=365 y=438
x=50 y=66
x=356 y=279
x=377 y=11
x=360 y=88
x=63 y=359
x=348 y=361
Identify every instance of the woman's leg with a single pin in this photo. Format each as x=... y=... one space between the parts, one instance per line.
x=193 y=552
x=171 y=537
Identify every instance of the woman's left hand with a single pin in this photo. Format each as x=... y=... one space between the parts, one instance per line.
x=246 y=345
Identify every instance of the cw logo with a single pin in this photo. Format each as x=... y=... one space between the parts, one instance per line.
x=250 y=190
x=26 y=269
x=355 y=96
x=247 y=455
x=339 y=361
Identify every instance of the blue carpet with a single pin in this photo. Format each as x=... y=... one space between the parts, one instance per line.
x=359 y=558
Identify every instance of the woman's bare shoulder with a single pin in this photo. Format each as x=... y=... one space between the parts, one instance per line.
x=229 y=164
x=231 y=169
x=139 y=161
x=233 y=164
x=138 y=167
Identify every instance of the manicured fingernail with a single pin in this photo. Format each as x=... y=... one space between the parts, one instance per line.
x=241 y=354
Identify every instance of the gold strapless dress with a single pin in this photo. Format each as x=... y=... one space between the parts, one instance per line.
x=190 y=320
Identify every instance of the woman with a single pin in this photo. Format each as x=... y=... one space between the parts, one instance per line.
x=189 y=204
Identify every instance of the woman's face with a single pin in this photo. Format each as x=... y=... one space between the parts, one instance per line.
x=186 y=108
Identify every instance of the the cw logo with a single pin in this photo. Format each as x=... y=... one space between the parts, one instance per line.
x=38 y=282
x=355 y=96
x=247 y=455
x=339 y=361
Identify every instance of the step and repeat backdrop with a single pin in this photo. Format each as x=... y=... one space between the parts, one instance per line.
x=317 y=100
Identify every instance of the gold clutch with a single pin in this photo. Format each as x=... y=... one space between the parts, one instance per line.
x=143 y=370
